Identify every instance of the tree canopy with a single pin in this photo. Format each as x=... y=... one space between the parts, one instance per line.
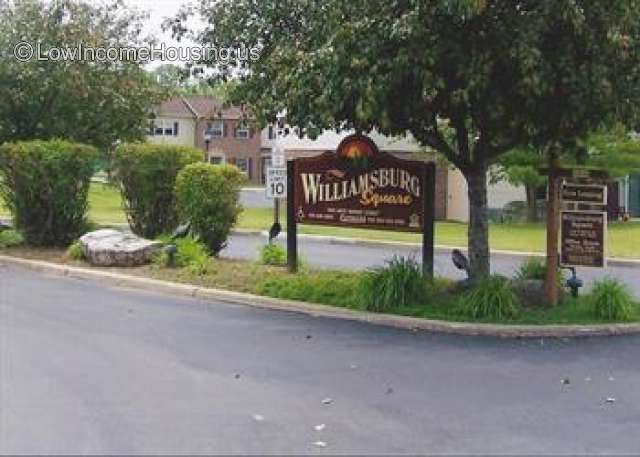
x=91 y=101
x=501 y=73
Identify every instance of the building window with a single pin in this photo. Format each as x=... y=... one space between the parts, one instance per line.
x=272 y=133
x=215 y=129
x=163 y=127
x=242 y=132
x=216 y=160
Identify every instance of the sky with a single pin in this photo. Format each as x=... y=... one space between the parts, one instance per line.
x=158 y=11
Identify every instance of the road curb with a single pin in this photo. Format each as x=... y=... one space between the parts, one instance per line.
x=409 y=323
x=344 y=241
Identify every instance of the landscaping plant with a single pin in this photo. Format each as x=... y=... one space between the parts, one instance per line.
x=326 y=287
x=45 y=185
x=208 y=196
x=146 y=174
x=611 y=300
x=398 y=284
x=10 y=238
x=491 y=298
x=74 y=252
x=273 y=254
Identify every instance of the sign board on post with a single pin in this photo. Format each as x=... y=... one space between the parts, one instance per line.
x=276 y=182
x=583 y=239
x=359 y=186
x=591 y=194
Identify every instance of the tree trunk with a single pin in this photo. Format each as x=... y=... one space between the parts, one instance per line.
x=532 y=203
x=478 y=223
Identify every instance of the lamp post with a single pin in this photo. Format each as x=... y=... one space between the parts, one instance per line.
x=207 y=142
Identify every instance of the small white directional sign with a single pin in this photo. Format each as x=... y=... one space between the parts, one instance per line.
x=277 y=182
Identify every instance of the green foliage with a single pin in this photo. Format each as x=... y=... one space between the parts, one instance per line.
x=273 y=254
x=491 y=298
x=400 y=283
x=192 y=255
x=500 y=75
x=10 y=238
x=532 y=268
x=147 y=175
x=611 y=300
x=45 y=185
x=328 y=288
x=91 y=102
x=208 y=196
x=536 y=268
x=74 y=252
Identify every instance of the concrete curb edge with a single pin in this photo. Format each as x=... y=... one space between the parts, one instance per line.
x=255 y=301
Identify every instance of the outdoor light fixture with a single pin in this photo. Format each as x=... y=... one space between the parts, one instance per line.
x=574 y=283
x=462 y=263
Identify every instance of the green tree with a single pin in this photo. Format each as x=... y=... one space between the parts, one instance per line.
x=86 y=100
x=521 y=167
x=500 y=73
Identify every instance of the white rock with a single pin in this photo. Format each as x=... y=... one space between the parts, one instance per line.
x=112 y=248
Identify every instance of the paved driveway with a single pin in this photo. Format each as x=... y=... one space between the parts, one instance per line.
x=89 y=369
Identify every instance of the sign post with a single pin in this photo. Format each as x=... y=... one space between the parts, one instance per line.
x=361 y=187
x=292 y=224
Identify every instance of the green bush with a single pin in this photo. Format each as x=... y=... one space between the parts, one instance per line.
x=146 y=174
x=491 y=298
x=208 y=196
x=273 y=254
x=45 y=185
x=328 y=288
x=535 y=268
x=10 y=238
x=191 y=255
x=400 y=283
x=532 y=268
x=611 y=300
x=74 y=252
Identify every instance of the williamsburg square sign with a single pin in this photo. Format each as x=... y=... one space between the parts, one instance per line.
x=359 y=186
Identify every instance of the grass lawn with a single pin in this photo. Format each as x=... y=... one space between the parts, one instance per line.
x=624 y=238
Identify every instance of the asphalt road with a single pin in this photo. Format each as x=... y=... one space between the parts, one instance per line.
x=324 y=254
x=255 y=198
x=89 y=369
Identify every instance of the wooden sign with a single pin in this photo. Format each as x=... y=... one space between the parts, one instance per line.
x=591 y=194
x=359 y=186
x=583 y=239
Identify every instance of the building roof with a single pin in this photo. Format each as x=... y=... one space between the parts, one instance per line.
x=201 y=107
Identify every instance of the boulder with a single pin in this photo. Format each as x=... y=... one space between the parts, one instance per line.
x=112 y=248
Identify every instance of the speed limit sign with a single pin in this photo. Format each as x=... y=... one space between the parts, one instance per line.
x=276 y=182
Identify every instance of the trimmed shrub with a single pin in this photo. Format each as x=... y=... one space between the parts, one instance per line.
x=10 y=238
x=400 y=283
x=208 y=196
x=611 y=300
x=45 y=185
x=273 y=254
x=146 y=174
x=491 y=298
